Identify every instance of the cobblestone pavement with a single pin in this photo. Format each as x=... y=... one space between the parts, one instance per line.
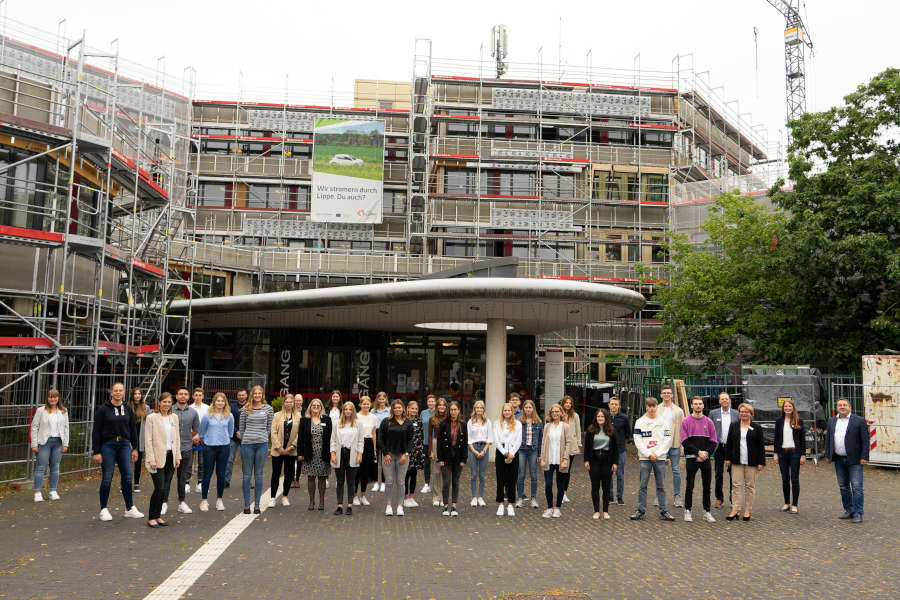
x=60 y=549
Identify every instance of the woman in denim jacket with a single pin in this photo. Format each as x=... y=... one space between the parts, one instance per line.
x=529 y=451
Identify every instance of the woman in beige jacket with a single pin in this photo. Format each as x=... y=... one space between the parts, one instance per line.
x=285 y=428
x=556 y=448
x=574 y=421
x=162 y=455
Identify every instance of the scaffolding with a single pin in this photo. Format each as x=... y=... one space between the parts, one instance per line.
x=97 y=182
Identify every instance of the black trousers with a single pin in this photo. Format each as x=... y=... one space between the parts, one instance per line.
x=789 y=465
x=450 y=479
x=567 y=476
x=184 y=471
x=427 y=470
x=720 y=473
x=507 y=476
x=162 y=480
x=138 y=466
x=290 y=465
x=601 y=477
x=345 y=473
x=409 y=482
x=693 y=465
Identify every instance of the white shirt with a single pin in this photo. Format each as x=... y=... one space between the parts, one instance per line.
x=367 y=424
x=668 y=416
x=477 y=432
x=346 y=436
x=167 y=426
x=202 y=409
x=726 y=422
x=335 y=415
x=53 y=421
x=745 y=454
x=840 y=433
x=554 y=437
x=506 y=441
x=787 y=436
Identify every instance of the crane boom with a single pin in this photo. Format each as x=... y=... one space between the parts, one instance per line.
x=796 y=40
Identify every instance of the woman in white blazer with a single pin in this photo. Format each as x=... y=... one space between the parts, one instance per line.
x=347 y=443
x=162 y=455
x=49 y=439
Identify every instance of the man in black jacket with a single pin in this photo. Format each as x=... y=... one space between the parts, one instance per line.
x=847 y=446
x=622 y=424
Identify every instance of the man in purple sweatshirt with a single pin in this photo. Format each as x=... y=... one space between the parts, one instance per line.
x=698 y=437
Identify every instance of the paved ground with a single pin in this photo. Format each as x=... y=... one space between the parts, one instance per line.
x=60 y=550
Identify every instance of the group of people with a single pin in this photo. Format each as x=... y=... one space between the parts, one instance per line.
x=387 y=443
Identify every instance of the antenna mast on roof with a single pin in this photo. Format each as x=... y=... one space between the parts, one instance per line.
x=499 y=48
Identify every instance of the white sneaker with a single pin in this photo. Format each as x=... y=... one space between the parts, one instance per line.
x=425 y=489
x=400 y=511
x=165 y=508
x=356 y=501
x=220 y=505
x=656 y=502
x=519 y=503
x=271 y=502
x=481 y=501
x=38 y=497
x=678 y=502
x=184 y=508
x=54 y=495
x=474 y=502
x=435 y=501
x=446 y=511
x=565 y=497
x=187 y=488
x=500 y=511
x=687 y=516
x=104 y=515
x=557 y=513
x=534 y=503
x=708 y=517
x=510 y=512
x=413 y=503
x=133 y=513
x=389 y=512
x=285 y=501
x=204 y=506
x=407 y=502
x=364 y=501
x=198 y=488
x=547 y=513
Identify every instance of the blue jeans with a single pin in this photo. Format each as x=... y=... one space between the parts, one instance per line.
x=253 y=457
x=478 y=470
x=620 y=477
x=659 y=474
x=114 y=453
x=850 y=481
x=50 y=453
x=675 y=461
x=233 y=448
x=548 y=486
x=214 y=457
x=527 y=460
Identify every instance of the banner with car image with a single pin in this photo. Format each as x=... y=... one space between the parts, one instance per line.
x=348 y=171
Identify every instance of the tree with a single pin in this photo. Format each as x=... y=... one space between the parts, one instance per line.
x=818 y=280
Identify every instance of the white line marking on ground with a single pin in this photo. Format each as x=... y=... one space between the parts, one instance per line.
x=181 y=580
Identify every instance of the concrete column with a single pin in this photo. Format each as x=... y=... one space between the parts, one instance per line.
x=495 y=368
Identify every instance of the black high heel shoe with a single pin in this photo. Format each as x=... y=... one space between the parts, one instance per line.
x=731 y=517
x=745 y=518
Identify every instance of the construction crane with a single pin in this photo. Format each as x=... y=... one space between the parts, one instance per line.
x=796 y=40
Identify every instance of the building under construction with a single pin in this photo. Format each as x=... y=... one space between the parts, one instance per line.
x=121 y=196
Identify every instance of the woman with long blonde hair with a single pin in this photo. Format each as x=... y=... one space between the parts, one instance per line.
x=216 y=429
x=790 y=453
x=256 y=429
x=347 y=444
x=285 y=428
x=315 y=444
x=382 y=411
x=529 y=451
x=163 y=455
x=480 y=436
x=507 y=439
x=395 y=441
x=368 y=468
x=556 y=448
x=439 y=416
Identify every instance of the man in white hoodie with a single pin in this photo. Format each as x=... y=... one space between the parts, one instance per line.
x=652 y=438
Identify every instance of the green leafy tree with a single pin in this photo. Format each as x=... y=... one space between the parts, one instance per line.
x=817 y=280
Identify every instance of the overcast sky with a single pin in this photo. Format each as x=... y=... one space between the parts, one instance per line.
x=307 y=44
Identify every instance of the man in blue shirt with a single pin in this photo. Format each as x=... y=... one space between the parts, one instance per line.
x=430 y=401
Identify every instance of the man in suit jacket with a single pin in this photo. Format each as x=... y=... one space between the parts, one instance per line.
x=847 y=446
x=722 y=418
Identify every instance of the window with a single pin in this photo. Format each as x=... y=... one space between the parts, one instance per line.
x=257 y=196
x=561 y=186
x=613 y=252
x=212 y=194
x=658 y=254
x=656 y=188
x=634 y=251
x=385 y=104
x=394 y=202
x=462 y=129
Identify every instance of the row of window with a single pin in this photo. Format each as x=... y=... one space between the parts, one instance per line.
x=276 y=197
x=596 y=135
